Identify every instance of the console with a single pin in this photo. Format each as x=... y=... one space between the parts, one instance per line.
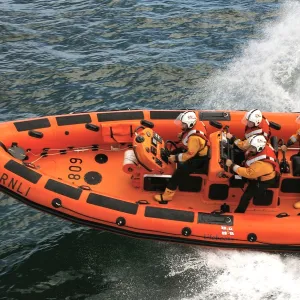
x=149 y=149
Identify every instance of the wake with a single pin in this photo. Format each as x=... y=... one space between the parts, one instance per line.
x=265 y=76
x=239 y=275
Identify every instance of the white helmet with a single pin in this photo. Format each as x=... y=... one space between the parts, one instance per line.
x=258 y=141
x=254 y=116
x=188 y=117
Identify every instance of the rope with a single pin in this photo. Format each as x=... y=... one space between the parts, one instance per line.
x=81 y=149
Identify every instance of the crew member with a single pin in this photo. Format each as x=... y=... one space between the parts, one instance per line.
x=294 y=138
x=260 y=167
x=291 y=141
x=256 y=124
x=193 y=137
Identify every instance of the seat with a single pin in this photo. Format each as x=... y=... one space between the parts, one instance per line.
x=204 y=169
x=295 y=159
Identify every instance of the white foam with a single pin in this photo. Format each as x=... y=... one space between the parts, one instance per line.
x=240 y=275
x=266 y=75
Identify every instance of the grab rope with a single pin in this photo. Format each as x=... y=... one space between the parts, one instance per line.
x=80 y=149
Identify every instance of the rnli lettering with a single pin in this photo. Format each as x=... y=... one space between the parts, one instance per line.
x=14 y=184
x=3 y=178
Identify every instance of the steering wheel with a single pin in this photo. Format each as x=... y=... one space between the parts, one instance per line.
x=166 y=152
x=173 y=144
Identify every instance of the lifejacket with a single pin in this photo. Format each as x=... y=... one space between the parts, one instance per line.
x=262 y=128
x=198 y=130
x=266 y=155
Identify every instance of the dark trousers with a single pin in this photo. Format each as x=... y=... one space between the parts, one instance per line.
x=186 y=168
x=256 y=189
x=239 y=155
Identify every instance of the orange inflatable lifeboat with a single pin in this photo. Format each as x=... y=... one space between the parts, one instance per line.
x=101 y=169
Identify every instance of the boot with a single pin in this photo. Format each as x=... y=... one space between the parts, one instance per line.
x=166 y=196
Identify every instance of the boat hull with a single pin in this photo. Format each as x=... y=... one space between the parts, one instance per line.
x=75 y=169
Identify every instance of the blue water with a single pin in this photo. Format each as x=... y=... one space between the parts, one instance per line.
x=73 y=56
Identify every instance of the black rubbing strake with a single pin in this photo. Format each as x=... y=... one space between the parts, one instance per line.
x=73 y=120
x=22 y=171
x=33 y=124
x=214 y=116
x=119 y=116
x=111 y=203
x=169 y=214
x=164 y=114
x=63 y=189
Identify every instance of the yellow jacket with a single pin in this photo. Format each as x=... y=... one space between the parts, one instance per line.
x=196 y=146
x=259 y=169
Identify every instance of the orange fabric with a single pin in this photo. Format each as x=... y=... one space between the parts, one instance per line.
x=121 y=133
